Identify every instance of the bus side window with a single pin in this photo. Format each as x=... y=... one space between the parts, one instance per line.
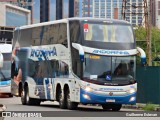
x=62 y=38
x=32 y=68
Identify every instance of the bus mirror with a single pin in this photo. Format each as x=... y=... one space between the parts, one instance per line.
x=80 y=49
x=1 y=60
x=143 y=55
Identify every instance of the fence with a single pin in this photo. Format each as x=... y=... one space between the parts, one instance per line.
x=148 y=79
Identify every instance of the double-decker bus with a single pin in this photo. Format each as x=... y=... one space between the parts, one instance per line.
x=76 y=60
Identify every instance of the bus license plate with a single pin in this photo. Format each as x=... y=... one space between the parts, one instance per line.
x=110 y=100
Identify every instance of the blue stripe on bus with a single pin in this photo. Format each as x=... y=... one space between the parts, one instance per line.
x=5 y=82
x=47 y=89
x=101 y=99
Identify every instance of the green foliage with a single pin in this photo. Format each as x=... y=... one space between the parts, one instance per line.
x=149 y=107
x=140 y=34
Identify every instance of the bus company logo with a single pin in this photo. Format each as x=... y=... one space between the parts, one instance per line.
x=111 y=52
x=111 y=93
x=45 y=52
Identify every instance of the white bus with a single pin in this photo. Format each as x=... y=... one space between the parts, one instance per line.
x=76 y=60
x=5 y=69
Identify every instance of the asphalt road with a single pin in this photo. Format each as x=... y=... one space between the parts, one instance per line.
x=14 y=104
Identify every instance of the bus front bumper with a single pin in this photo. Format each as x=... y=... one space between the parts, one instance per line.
x=5 y=89
x=94 y=98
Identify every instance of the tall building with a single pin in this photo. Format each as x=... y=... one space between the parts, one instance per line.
x=155 y=12
x=137 y=16
x=44 y=10
x=14 y=16
x=102 y=8
x=88 y=8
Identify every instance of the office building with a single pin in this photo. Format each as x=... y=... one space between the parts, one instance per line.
x=155 y=12
x=102 y=8
x=136 y=8
x=12 y=15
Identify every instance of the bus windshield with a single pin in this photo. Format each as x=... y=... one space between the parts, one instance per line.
x=115 y=33
x=5 y=72
x=106 y=68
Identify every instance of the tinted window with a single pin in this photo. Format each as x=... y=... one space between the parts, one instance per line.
x=51 y=34
x=47 y=69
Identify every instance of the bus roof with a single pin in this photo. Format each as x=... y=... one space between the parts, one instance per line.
x=72 y=19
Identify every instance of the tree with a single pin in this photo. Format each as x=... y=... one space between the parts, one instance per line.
x=140 y=34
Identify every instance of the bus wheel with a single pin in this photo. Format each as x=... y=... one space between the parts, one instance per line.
x=10 y=95
x=116 y=107
x=26 y=100
x=62 y=100
x=70 y=105
x=23 y=97
x=106 y=106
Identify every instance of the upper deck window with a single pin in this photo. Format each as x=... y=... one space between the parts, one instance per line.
x=108 y=33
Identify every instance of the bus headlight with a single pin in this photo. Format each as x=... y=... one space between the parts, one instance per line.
x=131 y=91
x=87 y=89
x=86 y=97
x=132 y=99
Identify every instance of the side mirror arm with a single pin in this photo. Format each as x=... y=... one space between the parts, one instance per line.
x=143 y=55
x=80 y=49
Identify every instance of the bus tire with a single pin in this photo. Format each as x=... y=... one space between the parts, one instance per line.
x=10 y=95
x=116 y=107
x=33 y=101
x=23 y=97
x=71 y=105
x=62 y=100
x=26 y=100
x=106 y=106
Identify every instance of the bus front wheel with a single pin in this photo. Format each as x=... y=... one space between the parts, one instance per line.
x=116 y=107
x=106 y=106
x=71 y=105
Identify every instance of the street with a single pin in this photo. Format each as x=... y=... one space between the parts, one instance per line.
x=14 y=104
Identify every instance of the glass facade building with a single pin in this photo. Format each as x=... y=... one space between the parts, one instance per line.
x=138 y=17
x=113 y=9
x=101 y=8
x=87 y=8
x=105 y=8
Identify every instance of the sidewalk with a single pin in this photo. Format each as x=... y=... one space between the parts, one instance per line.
x=140 y=106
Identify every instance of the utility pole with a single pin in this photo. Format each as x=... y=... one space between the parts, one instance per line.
x=144 y=10
x=148 y=32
